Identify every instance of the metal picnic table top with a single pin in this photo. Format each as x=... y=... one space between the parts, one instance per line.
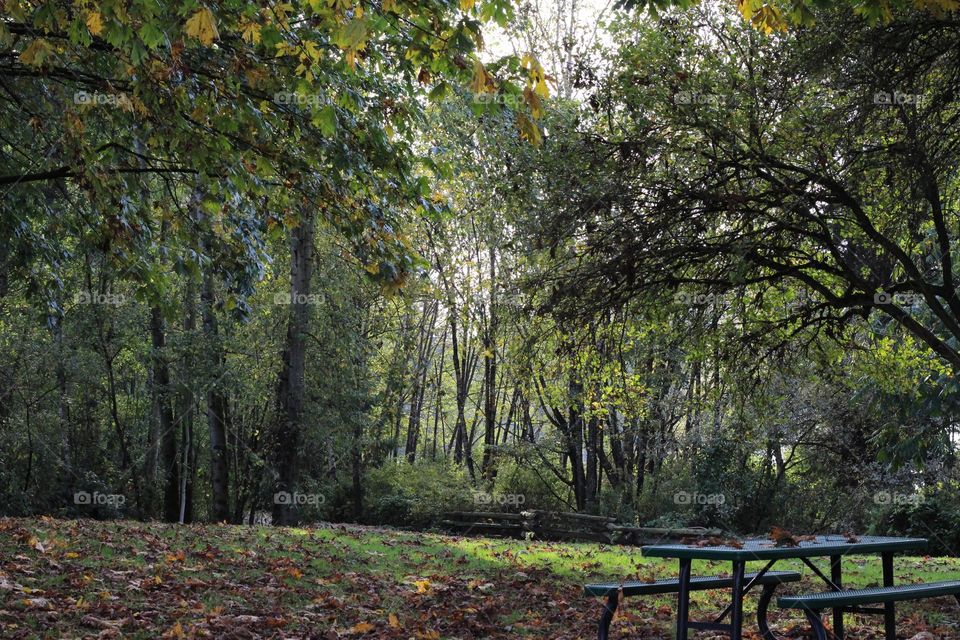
x=764 y=549
x=739 y=552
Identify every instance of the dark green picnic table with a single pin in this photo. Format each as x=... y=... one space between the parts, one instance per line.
x=834 y=547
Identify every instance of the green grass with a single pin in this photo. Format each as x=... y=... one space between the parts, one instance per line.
x=84 y=578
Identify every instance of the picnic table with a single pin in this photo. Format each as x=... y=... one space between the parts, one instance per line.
x=834 y=547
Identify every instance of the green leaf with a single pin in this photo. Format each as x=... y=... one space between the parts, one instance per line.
x=151 y=35
x=326 y=119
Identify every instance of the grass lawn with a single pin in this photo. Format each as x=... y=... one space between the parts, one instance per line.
x=88 y=579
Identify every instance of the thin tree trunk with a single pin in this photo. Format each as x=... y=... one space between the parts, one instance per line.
x=167 y=436
x=187 y=405
x=490 y=374
x=217 y=414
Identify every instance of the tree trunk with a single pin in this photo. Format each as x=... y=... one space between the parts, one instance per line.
x=217 y=413
x=187 y=403
x=291 y=386
x=490 y=375
x=422 y=367
x=166 y=434
x=574 y=441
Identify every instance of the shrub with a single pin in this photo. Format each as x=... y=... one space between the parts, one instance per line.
x=417 y=496
x=540 y=491
x=935 y=516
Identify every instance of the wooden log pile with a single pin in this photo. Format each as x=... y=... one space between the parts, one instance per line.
x=570 y=527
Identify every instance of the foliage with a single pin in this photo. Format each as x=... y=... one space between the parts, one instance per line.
x=416 y=497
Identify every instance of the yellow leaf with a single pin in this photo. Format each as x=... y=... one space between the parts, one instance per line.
x=529 y=130
x=362 y=627
x=769 y=19
x=36 y=52
x=422 y=585
x=478 y=84
x=466 y=5
x=746 y=8
x=71 y=555
x=394 y=621
x=250 y=32
x=203 y=26
x=541 y=88
x=95 y=23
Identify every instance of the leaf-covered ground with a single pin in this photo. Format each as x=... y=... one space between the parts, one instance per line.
x=88 y=579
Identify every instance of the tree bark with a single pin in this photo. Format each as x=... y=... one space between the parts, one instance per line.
x=291 y=385
x=217 y=411
x=166 y=433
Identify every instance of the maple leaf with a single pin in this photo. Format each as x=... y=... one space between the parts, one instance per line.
x=36 y=53
x=784 y=538
x=529 y=130
x=203 y=26
x=478 y=84
x=95 y=23
x=250 y=32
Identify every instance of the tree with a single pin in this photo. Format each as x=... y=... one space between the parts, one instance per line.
x=728 y=177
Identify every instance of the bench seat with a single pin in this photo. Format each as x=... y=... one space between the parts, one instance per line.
x=636 y=588
x=813 y=603
x=611 y=590
x=875 y=595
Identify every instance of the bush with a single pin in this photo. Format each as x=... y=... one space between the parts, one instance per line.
x=935 y=517
x=401 y=495
x=540 y=491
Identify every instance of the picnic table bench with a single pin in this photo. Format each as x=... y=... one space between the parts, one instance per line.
x=740 y=583
x=849 y=601
x=613 y=591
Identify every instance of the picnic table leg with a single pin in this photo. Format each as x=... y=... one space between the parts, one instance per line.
x=837 y=578
x=762 y=607
x=889 y=613
x=683 y=600
x=817 y=623
x=736 y=613
x=606 y=617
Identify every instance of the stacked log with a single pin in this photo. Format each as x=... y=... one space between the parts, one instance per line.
x=568 y=527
